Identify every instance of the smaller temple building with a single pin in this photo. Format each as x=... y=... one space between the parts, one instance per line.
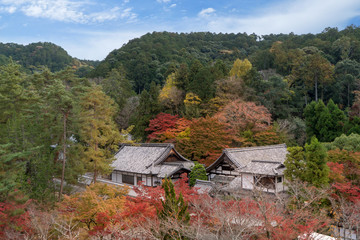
x=251 y=167
x=148 y=163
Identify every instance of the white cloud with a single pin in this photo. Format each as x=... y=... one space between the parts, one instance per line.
x=128 y=14
x=300 y=16
x=97 y=45
x=114 y=13
x=63 y=10
x=60 y=10
x=163 y=1
x=172 y=5
x=206 y=12
x=10 y=10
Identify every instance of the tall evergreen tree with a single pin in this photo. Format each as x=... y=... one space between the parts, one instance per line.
x=295 y=164
x=316 y=171
x=202 y=84
x=61 y=105
x=346 y=72
x=337 y=121
x=24 y=127
x=12 y=93
x=174 y=209
x=118 y=87
x=324 y=122
x=12 y=167
x=148 y=108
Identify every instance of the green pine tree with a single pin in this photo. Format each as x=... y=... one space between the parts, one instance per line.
x=310 y=119
x=148 y=108
x=295 y=164
x=118 y=87
x=198 y=171
x=174 y=208
x=316 y=171
x=337 y=121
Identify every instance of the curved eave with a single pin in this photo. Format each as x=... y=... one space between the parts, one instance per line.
x=214 y=164
x=178 y=169
x=166 y=153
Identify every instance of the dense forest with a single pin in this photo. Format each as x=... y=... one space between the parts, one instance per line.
x=61 y=117
x=36 y=55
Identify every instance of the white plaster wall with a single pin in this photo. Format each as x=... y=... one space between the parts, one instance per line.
x=280 y=187
x=135 y=180
x=148 y=181
x=116 y=177
x=113 y=176
x=248 y=181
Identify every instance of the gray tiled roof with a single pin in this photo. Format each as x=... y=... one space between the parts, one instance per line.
x=258 y=160
x=264 y=168
x=148 y=158
x=165 y=170
x=204 y=186
x=243 y=156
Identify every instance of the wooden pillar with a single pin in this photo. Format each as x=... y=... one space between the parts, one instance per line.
x=242 y=181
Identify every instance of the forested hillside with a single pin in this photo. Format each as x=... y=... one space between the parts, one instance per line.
x=35 y=55
x=150 y=57
x=204 y=74
x=203 y=92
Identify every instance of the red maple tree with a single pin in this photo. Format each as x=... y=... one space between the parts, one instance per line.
x=158 y=125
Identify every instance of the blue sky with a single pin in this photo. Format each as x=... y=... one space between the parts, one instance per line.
x=90 y=29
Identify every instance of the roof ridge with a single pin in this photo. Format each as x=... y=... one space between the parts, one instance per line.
x=266 y=161
x=255 y=148
x=173 y=163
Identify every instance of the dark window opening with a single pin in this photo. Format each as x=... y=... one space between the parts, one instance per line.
x=227 y=168
x=264 y=182
x=128 y=179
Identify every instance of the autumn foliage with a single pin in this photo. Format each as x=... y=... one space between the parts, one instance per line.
x=158 y=126
x=166 y=128
x=176 y=210
x=344 y=173
x=95 y=209
x=242 y=116
x=206 y=140
x=13 y=215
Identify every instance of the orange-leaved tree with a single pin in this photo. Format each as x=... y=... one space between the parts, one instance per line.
x=90 y=209
x=245 y=120
x=206 y=140
x=242 y=116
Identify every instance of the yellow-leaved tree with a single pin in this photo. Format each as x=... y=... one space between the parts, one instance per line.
x=192 y=105
x=98 y=131
x=171 y=96
x=240 y=68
